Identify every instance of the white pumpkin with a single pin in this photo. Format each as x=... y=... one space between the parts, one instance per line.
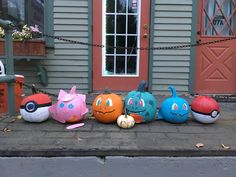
x=125 y=121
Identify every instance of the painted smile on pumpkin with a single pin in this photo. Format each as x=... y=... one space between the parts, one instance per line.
x=137 y=111
x=178 y=115
x=107 y=112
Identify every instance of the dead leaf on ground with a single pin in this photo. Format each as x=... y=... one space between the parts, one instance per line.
x=5 y=130
x=225 y=147
x=16 y=118
x=13 y=120
x=199 y=145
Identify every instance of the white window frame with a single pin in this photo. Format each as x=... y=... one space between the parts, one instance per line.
x=104 y=42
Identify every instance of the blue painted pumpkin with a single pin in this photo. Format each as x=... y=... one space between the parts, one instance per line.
x=174 y=109
x=141 y=105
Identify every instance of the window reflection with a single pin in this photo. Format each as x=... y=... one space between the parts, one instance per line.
x=120 y=42
x=133 y=6
x=13 y=10
x=110 y=23
x=110 y=44
x=121 y=6
x=121 y=24
x=22 y=12
x=120 y=65
x=131 y=64
x=132 y=24
x=109 y=70
x=110 y=6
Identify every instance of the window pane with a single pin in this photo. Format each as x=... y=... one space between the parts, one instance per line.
x=110 y=23
x=132 y=44
x=110 y=6
x=121 y=6
x=13 y=10
x=131 y=64
x=219 y=18
x=34 y=12
x=120 y=41
x=110 y=42
x=120 y=65
x=121 y=24
x=132 y=24
x=109 y=70
x=133 y=6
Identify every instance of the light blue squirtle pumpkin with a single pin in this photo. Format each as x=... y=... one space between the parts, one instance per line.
x=174 y=109
x=141 y=105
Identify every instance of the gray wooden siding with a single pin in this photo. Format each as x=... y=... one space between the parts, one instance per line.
x=172 y=26
x=67 y=64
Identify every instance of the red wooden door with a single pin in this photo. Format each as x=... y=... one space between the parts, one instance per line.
x=122 y=23
x=216 y=63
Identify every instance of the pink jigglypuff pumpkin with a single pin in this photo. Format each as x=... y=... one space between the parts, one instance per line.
x=70 y=107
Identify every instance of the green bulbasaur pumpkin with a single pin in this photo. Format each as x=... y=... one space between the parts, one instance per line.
x=141 y=105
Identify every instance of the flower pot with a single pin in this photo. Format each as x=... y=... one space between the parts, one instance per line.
x=25 y=48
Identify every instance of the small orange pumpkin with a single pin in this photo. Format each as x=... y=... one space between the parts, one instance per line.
x=107 y=107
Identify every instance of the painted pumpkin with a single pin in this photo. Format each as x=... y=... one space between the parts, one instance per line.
x=34 y=108
x=205 y=109
x=174 y=109
x=70 y=107
x=125 y=121
x=107 y=107
x=141 y=105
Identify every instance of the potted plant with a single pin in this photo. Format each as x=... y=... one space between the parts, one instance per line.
x=26 y=42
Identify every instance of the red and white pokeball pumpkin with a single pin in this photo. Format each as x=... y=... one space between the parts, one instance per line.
x=205 y=109
x=34 y=108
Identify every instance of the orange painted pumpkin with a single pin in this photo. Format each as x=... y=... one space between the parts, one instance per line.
x=107 y=107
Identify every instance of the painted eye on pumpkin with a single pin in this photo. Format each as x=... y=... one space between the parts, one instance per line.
x=185 y=107
x=62 y=105
x=141 y=103
x=130 y=101
x=109 y=102
x=175 y=107
x=70 y=106
x=99 y=101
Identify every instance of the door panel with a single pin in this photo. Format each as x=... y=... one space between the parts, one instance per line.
x=216 y=63
x=125 y=25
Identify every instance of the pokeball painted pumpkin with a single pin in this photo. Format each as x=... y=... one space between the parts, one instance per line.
x=34 y=108
x=141 y=105
x=70 y=107
x=205 y=109
x=174 y=109
x=107 y=107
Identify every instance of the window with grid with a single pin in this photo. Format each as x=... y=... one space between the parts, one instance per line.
x=120 y=29
x=219 y=17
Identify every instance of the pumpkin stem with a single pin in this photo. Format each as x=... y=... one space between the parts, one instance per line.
x=172 y=89
x=125 y=113
x=33 y=89
x=107 y=91
x=142 y=86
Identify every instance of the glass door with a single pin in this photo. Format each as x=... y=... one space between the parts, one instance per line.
x=122 y=26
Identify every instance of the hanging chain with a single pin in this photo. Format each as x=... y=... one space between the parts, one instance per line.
x=142 y=48
x=32 y=87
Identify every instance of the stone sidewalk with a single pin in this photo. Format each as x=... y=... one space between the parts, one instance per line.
x=157 y=138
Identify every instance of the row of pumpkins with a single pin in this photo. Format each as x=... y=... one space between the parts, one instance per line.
x=139 y=106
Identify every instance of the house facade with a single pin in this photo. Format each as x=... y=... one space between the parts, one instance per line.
x=126 y=41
